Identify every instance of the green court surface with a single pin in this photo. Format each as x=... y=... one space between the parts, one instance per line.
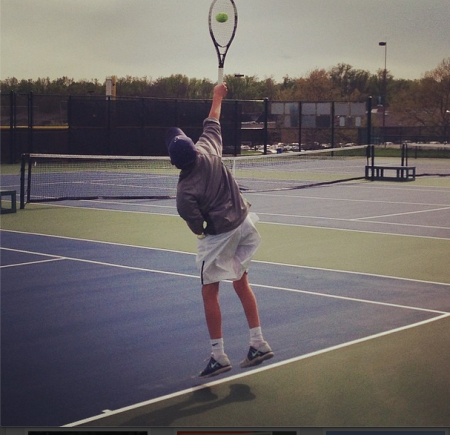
x=384 y=254
x=396 y=381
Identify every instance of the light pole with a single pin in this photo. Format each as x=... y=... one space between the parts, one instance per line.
x=384 y=44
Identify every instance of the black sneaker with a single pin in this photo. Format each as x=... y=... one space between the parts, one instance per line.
x=257 y=356
x=216 y=367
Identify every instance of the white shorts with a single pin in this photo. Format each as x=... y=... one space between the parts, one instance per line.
x=227 y=256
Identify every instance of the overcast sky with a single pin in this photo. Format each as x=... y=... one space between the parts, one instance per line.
x=87 y=39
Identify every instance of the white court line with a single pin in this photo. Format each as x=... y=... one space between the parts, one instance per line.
x=250 y=373
x=52 y=204
x=134 y=204
x=386 y=185
x=148 y=248
x=293 y=225
x=328 y=198
x=350 y=272
x=401 y=224
x=312 y=217
x=383 y=233
x=30 y=263
x=346 y=298
x=404 y=213
x=358 y=220
x=27 y=263
x=185 y=275
x=77 y=239
x=286 y=224
x=102 y=263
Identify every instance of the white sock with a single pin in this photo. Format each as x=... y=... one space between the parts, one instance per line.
x=217 y=347
x=256 y=337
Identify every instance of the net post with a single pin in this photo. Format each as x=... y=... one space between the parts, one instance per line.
x=22 y=181
x=29 y=179
x=372 y=151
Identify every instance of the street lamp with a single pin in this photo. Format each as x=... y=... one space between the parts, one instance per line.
x=384 y=44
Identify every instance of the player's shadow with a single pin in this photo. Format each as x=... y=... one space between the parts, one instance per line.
x=198 y=402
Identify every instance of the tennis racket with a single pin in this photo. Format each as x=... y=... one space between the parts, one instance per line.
x=222 y=21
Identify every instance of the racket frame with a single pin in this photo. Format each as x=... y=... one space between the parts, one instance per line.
x=221 y=50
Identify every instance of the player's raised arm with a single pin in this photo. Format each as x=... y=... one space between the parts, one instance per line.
x=220 y=91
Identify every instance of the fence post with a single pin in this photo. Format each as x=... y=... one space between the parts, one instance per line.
x=30 y=121
x=12 y=125
x=142 y=135
x=369 y=121
x=236 y=126
x=69 y=125
x=300 y=108
x=370 y=147
x=332 y=124
x=266 y=117
x=108 y=126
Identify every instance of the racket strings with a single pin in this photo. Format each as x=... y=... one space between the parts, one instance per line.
x=222 y=33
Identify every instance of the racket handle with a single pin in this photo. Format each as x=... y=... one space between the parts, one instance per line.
x=220 y=80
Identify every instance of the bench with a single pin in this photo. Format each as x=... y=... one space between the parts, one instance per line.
x=401 y=173
x=12 y=198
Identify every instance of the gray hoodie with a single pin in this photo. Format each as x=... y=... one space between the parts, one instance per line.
x=208 y=197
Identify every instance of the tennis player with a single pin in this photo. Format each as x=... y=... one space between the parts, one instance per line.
x=209 y=200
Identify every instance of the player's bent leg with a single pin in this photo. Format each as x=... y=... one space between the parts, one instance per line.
x=213 y=315
x=248 y=300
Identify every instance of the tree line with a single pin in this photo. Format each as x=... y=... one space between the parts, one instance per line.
x=423 y=102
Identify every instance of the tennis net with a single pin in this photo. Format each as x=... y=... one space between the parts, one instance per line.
x=50 y=177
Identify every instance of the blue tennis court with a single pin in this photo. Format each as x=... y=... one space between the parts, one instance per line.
x=103 y=324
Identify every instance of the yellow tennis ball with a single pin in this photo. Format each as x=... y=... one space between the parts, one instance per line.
x=222 y=17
